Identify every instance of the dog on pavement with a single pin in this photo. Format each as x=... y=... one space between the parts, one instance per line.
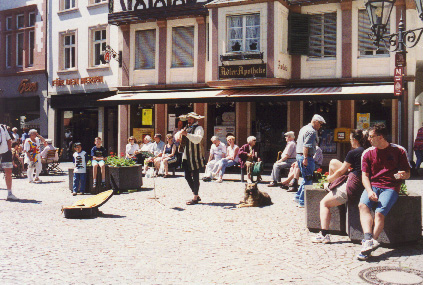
x=254 y=198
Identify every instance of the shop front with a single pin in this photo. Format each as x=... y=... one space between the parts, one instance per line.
x=23 y=101
x=80 y=118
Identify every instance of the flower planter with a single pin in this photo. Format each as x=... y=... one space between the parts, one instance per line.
x=126 y=178
x=403 y=224
x=312 y=209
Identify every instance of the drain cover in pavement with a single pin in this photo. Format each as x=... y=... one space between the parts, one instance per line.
x=391 y=275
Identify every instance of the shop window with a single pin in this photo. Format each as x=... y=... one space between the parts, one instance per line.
x=221 y=121
x=173 y=113
x=8 y=50
x=31 y=40
x=365 y=43
x=69 y=51
x=322 y=39
x=268 y=126
x=244 y=33
x=99 y=42
x=20 y=21
x=31 y=19
x=183 y=46
x=328 y=110
x=370 y=112
x=142 y=121
x=19 y=49
x=8 y=23
x=145 y=49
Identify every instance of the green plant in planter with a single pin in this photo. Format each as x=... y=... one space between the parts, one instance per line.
x=322 y=179
x=116 y=161
x=403 y=190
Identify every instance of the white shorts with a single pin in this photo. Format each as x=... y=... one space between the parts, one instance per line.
x=340 y=193
x=101 y=163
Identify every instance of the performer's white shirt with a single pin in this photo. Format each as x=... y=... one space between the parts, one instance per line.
x=195 y=138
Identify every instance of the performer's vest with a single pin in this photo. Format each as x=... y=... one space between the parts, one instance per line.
x=194 y=152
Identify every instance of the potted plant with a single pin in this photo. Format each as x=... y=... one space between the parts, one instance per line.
x=126 y=173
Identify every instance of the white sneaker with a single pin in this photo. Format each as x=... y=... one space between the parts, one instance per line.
x=366 y=247
x=376 y=244
x=319 y=238
x=38 y=181
x=219 y=180
x=11 y=197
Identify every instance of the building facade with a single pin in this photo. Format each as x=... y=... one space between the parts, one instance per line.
x=260 y=68
x=23 y=76
x=78 y=77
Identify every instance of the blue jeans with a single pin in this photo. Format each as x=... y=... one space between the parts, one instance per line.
x=307 y=174
x=79 y=180
x=386 y=199
x=419 y=155
x=223 y=163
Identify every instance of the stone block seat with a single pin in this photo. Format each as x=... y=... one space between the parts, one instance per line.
x=403 y=224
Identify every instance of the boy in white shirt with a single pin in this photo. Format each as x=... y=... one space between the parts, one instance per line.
x=80 y=169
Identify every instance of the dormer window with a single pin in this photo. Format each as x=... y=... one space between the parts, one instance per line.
x=243 y=33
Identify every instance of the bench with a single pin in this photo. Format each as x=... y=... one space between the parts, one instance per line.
x=403 y=224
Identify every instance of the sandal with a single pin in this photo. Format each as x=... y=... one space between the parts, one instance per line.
x=166 y=176
x=193 y=202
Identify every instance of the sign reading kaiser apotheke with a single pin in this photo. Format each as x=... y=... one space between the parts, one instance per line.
x=242 y=71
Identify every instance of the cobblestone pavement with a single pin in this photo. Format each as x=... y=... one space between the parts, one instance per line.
x=141 y=241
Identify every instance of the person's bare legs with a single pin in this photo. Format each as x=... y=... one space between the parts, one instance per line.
x=166 y=166
x=291 y=174
x=326 y=203
x=8 y=174
x=366 y=218
x=334 y=165
x=95 y=171
x=379 y=224
x=103 y=173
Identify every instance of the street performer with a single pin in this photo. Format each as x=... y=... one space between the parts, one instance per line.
x=191 y=146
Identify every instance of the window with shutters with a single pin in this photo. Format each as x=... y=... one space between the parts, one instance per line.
x=145 y=49
x=365 y=43
x=243 y=33
x=298 y=33
x=322 y=37
x=183 y=46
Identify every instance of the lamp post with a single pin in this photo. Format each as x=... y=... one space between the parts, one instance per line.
x=379 y=12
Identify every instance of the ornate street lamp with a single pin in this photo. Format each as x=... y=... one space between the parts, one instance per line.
x=379 y=13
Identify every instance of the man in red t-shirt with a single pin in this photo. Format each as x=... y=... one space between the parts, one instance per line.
x=384 y=167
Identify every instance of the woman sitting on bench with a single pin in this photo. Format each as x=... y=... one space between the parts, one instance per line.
x=231 y=158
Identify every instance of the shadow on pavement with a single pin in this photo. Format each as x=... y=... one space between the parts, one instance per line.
x=178 y=209
x=225 y=205
x=25 y=201
x=111 y=216
x=48 y=182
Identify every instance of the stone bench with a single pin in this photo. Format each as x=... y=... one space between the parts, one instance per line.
x=403 y=224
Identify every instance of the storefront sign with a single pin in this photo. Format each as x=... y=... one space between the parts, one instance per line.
x=26 y=86
x=171 y=122
x=398 y=81
x=77 y=81
x=400 y=59
x=242 y=71
x=363 y=121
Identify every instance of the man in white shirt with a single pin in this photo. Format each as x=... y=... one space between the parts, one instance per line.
x=193 y=155
x=287 y=159
x=217 y=152
x=6 y=159
x=48 y=145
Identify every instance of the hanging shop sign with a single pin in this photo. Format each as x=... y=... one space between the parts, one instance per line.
x=26 y=86
x=77 y=81
x=398 y=81
x=242 y=71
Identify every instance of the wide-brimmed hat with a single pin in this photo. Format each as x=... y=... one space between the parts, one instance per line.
x=191 y=115
x=49 y=141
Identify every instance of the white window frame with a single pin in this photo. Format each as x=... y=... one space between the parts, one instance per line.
x=373 y=52
x=93 y=2
x=9 y=23
x=72 y=4
x=322 y=35
x=23 y=21
x=93 y=43
x=31 y=50
x=63 y=48
x=32 y=14
x=17 y=49
x=244 y=33
x=8 y=51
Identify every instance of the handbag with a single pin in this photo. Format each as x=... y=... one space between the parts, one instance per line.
x=257 y=168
